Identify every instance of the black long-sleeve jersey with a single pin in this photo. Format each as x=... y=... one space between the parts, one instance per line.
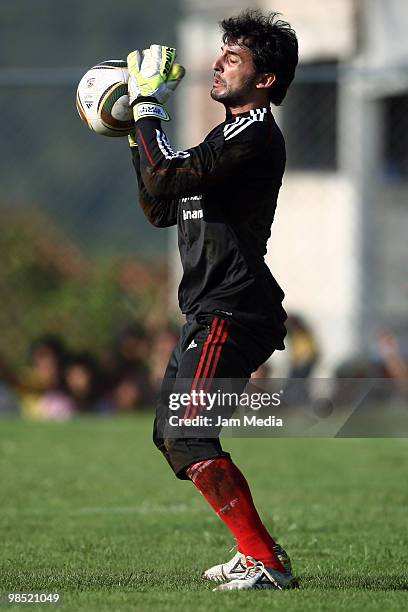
x=222 y=195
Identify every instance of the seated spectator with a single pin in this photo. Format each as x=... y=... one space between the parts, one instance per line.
x=47 y=355
x=9 y=405
x=53 y=406
x=127 y=395
x=130 y=371
x=132 y=348
x=43 y=377
x=83 y=383
x=303 y=355
x=394 y=362
x=303 y=351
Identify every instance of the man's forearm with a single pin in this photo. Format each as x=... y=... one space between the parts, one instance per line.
x=168 y=173
x=160 y=213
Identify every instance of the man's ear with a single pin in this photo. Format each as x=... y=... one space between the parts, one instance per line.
x=266 y=80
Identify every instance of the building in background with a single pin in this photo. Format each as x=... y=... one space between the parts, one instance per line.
x=338 y=244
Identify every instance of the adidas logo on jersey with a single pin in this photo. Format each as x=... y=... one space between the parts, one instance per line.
x=242 y=123
x=192 y=344
x=192 y=214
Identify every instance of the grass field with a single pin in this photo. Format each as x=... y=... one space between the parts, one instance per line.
x=90 y=510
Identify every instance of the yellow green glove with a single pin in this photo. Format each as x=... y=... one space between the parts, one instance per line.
x=132 y=140
x=152 y=75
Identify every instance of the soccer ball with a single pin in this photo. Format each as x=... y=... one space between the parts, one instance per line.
x=102 y=99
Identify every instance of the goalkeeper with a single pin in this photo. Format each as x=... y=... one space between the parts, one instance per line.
x=222 y=196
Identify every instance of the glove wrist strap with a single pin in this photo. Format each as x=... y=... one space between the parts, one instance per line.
x=150 y=109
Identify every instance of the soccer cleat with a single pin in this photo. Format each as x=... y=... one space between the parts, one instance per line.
x=257 y=576
x=237 y=566
x=283 y=558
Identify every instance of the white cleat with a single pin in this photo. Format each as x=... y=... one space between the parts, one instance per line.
x=237 y=566
x=258 y=576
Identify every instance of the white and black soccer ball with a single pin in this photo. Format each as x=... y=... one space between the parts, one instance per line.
x=102 y=99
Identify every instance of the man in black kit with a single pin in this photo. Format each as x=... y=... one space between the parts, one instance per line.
x=222 y=196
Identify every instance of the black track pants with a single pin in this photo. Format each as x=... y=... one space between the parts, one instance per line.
x=209 y=347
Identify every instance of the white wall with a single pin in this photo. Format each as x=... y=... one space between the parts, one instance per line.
x=325 y=28
x=313 y=254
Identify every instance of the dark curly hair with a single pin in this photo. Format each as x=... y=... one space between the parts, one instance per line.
x=273 y=45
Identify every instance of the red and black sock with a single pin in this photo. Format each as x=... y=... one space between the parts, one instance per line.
x=227 y=491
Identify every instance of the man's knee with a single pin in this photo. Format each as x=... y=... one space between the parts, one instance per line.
x=176 y=451
x=182 y=452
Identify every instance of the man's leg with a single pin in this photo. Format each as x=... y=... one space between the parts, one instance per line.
x=182 y=366
x=227 y=491
x=220 y=350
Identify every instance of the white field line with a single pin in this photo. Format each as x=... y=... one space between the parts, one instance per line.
x=142 y=509
x=147 y=509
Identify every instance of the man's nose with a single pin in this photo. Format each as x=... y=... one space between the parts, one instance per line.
x=217 y=64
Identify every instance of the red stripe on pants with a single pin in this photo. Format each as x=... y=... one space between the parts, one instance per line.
x=201 y=362
x=215 y=362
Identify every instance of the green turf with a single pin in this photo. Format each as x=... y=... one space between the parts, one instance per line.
x=90 y=510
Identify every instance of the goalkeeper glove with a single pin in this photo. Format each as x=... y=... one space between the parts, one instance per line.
x=132 y=140
x=152 y=75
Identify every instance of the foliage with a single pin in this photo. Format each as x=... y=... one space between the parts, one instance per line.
x=48 y=285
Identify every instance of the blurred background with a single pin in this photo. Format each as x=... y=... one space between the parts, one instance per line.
x=88 y=315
